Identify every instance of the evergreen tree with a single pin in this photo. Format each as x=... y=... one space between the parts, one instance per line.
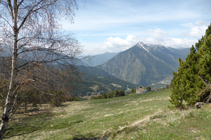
x=167 y=86
x=133 y=90
x=121 y=92
x=104 y=96
x=116 y=93
x=193 y=74
x=204 y=48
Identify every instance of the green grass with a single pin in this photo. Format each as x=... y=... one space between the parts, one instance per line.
x=142 y=116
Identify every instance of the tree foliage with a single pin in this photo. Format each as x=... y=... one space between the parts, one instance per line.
x=167 y=86
x=194 y=74
x=110 y=94
x=148 y=88
x=133 y=90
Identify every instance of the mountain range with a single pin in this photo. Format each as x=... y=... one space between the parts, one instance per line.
x=142 y=64
x=96 y=60
x=145 y=64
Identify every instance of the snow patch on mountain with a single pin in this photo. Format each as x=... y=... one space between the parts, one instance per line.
x=144 y=47
x=141 y=45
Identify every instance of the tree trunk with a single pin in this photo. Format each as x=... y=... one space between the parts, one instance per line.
x=6 y=113
x=11 y=91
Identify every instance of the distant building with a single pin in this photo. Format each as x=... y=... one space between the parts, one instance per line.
x=140 y=90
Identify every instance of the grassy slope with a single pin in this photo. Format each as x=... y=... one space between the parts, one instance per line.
x=143 y=116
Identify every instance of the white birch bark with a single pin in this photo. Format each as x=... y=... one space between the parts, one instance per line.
x=7 y=108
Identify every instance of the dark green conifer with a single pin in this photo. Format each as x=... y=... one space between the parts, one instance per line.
x=193 y=74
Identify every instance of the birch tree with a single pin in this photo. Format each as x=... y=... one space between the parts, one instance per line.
x=31 y=38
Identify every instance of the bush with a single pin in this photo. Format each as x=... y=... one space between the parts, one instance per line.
x=110 y=94
x=76 y=99
x=148 y=88
x=133 y=90
x=167 y=86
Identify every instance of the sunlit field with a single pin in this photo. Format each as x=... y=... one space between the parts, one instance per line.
x=141 y=116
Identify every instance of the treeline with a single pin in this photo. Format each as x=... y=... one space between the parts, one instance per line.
x=31 y=97
x=110 y=94
x=39 y=84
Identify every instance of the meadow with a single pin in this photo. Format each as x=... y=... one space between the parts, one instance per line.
x=137 y=116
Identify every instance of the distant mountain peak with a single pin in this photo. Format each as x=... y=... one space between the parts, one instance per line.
x=141 y=45
x=148 y=45
x=144 y=63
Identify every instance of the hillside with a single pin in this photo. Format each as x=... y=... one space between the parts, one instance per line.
x=145 y=64
x=96 y=81
x=92 y=85
x=141 y=116
x=93 y=71
x=99 y=59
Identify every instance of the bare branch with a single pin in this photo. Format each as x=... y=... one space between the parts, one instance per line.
x=19 y=4
x=204 y=81
x=11 y=9
x=32 y=10
x=6 y=21
x=2 y=96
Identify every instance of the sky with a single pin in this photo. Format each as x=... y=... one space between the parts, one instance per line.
x=116 y=25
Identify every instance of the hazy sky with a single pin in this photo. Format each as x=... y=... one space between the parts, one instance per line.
x=116 y=25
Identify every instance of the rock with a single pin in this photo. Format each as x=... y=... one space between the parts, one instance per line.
x=199 y=105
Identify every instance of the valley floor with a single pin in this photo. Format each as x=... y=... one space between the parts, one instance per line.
x=142 y=116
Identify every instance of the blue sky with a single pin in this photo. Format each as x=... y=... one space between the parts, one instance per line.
x=116 y=25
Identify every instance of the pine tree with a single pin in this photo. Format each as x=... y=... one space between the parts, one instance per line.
x=193 y=75
x=204 y=48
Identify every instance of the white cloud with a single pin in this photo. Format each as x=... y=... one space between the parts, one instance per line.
x=157 y=32
x=197 y=29
x=118 y=44
x=179 y=42
x=152 y=36
x=157 y=36
x=92 y=49
x=188 y=25
x=201 y=23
